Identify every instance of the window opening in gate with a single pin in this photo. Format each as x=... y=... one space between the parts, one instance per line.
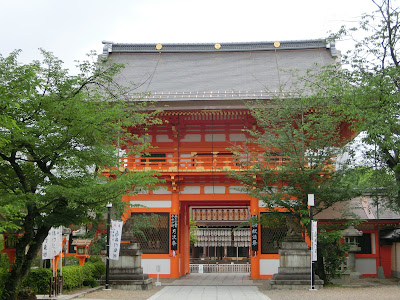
x=151 y=231
x=273 y=231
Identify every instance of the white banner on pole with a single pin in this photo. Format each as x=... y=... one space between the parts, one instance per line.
x=52 y=244
x=115 y=239
x=314 y=228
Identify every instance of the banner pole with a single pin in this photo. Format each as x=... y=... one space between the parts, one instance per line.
x=311 y=205
x=109 y=205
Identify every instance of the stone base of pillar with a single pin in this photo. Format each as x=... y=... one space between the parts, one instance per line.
x=126 y=273
x=349 y=275
x=381 y=273
x=295 y=270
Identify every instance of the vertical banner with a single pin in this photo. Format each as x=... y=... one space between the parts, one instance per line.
x=174 y=232
x=115 y=239
x=254 y=237
x=314 y=228
x=52 y=244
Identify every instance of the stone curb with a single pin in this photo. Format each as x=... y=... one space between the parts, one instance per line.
x=73 y=296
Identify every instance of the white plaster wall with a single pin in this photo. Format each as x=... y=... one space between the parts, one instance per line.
x=152 y=203
x=236 y=190
x=366 y=265
x=163 y=138
x=219 y=137
x=214 y=189
x=237 y=137
x=373 y=246
x=191 y=138
x=161 y=191
x=269 y=266
x=191 y=190
x=149 y=265
x=142 y=192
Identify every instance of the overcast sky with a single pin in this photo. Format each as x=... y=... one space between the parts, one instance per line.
x=71 y=28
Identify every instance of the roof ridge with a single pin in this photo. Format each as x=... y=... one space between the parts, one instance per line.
x=217 y=47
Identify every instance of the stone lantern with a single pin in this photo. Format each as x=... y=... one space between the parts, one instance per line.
x=350 y=235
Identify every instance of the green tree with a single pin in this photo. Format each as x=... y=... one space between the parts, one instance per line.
x=294 y=153
x=193 y=232
x=61 y=134
x=369 y=179
x=367 y=89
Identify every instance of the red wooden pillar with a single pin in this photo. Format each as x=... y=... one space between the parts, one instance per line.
x=175 y=254
x=255 y=256
x=184 y=239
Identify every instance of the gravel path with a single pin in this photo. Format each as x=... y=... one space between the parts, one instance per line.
x=335 y=293
x=123 y=294
x=362 y=289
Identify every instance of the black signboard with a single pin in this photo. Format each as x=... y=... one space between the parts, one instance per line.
x=254 y=237
x=174 y=232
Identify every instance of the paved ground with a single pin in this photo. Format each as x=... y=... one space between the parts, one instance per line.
x=240 y=286
x=209 y=293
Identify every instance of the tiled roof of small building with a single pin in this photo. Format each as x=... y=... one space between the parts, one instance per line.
x=363 y=208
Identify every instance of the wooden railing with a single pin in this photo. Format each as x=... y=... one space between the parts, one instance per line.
x=200 y=163
x=220 y=268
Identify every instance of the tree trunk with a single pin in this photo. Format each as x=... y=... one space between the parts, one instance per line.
x=23 y=261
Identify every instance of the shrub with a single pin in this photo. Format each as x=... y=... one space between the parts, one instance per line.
x=99 y=269
x=71 y=260
x=87 y=272
x=38 y=280
x=3 y=277
x=95 y=259
x=4 y=266
x=26 y=294
x=331 y=255
x=72 y=277
x=4 y=261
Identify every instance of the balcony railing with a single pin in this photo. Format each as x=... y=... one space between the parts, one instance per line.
x=199 y=163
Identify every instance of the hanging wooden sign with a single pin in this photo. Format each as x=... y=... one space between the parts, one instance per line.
x=254 y=237
x=174 y=232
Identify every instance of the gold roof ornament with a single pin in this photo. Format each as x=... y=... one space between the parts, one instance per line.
x=217 y=46
x=158 y=46
x=277 y=44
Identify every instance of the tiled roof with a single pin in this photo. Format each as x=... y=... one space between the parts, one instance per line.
x=363 y=208
x=226 y=71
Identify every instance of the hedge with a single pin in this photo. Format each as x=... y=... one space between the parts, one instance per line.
x=73 y=277
x=3 y=278
x=38 y=280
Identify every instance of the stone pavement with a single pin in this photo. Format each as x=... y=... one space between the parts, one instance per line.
x=209 y=293
x=235 y=286
x=240 y=286
x=218 y=279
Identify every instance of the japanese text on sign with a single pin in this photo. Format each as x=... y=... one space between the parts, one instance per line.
x=52 y=245
x=115 y=239
x=174 y=232
x=254 y=237
x=314 y=227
